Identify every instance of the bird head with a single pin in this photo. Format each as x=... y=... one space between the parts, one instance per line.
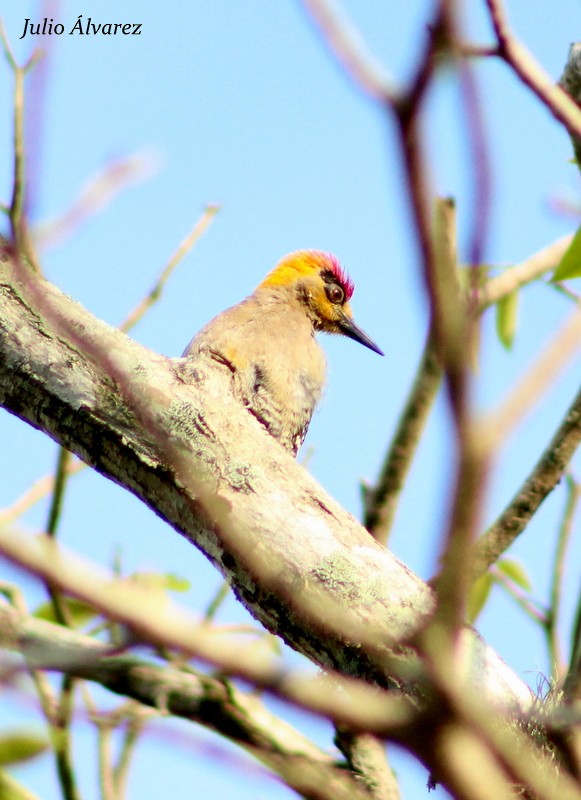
x=319 y=283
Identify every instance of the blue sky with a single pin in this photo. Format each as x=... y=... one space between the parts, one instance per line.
x=240 y=104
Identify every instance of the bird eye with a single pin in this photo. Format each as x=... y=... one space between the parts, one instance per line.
x=335 y=293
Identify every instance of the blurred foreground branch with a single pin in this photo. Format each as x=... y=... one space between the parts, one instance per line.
x=211 y=702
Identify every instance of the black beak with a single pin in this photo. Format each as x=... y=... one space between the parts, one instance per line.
x=350 y=329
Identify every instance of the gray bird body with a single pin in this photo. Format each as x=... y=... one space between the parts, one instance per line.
x=268 y=343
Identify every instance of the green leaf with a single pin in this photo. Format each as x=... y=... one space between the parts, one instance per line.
x=174 y=583
x=10 y=789
x=570 y=266
x=20 y=746
x=515 y=572
x=165 y=582
x=479 y=595
x=506 y=318
x=79 y=612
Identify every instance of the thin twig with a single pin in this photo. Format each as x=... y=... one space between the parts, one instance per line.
x=56 y=714
x=61 y=726
x=60 y=480
x=473 y=461
x=35 y=493
x=531 y=73
x=473 y=50
x=106 y=781
x=135 y=725
x=380 y=501
x=98 y=192
x=366 y=756
x=482 y=172
x=186 y=245
x=44 y=690
x=557 y=579
x=565 y=291
x=458 y=328
x=439 y=280
x=62 y=742
x=18 y=222
x=346 y=44
x=527 y=271
x=216 y=601
x=440 y=42
x=18 y=190
x=572 y=686
x=419 y=197
x=521 y=599
x=544 y=476
x=64 y=458
x=452 y=583
x=538 y=378
x=38 y=101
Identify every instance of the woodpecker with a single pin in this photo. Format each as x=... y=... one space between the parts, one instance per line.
x=268 y=341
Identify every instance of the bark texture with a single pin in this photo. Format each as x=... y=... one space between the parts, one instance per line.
x=170 y=431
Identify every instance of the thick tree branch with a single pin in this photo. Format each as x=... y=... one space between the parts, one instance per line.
x=297 y=561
